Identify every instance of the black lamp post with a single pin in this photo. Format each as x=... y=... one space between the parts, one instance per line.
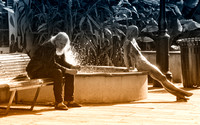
x=162 y=45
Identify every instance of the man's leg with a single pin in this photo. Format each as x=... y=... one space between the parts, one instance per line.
x=69 y=91
x=57 y=76
x=69 y=87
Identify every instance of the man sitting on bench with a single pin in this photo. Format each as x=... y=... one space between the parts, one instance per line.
x=49 y=61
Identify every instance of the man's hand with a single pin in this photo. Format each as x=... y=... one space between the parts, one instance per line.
x=71 y=71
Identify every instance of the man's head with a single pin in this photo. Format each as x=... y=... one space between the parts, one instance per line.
x=61 y=41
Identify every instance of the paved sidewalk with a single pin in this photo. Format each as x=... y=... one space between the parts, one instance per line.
x=159 y=108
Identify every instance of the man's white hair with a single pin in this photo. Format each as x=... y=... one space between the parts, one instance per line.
x=61 y=37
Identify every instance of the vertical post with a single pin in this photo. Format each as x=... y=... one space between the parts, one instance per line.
x=162 y=45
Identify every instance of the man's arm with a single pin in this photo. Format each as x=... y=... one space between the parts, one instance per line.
x=62 y=61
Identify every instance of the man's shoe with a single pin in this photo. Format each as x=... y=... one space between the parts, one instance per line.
x=71 y=104
x=61 y=106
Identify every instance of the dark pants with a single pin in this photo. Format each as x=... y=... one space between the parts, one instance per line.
x=59 y=79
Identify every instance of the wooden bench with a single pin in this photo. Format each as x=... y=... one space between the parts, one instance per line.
x=14 y=78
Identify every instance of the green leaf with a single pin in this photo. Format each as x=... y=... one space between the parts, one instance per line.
x=90 y=26
x=93 y=21
x=81 y=23
x=42 y=27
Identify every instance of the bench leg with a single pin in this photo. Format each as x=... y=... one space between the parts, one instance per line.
x=35 y=98
x=10 y=101
x=16 y=97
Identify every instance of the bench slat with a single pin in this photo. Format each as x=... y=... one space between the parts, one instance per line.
x=11 y=67
x=12 y=73
x=16 y=59
x=13 y=58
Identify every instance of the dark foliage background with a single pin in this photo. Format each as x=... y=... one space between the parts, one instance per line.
x=97 y=27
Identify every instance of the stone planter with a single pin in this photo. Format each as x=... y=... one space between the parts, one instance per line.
x=100 y=87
